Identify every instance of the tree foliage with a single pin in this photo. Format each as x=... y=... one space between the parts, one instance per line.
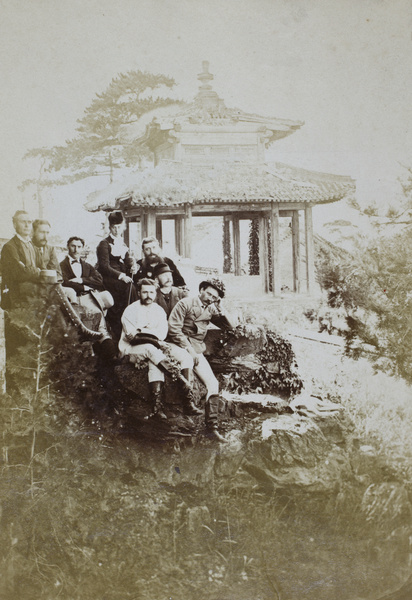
x=98 y=147
x=373 y=287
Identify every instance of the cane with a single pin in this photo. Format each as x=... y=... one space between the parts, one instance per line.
x=130 y=293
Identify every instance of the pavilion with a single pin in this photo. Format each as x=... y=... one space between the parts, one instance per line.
x=209 y=160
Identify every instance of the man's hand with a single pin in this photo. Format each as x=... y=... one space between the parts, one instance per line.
x=76 y=280
x=125 y=278
x=130 y=336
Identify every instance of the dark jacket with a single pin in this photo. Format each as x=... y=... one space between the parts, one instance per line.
x=46 y=258
x=18 y=266
x=108 y=265
x=90 y=276
x=176 y=294
x=145 y=270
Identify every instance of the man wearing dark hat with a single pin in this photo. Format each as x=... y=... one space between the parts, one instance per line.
x=117 y=268
x=83 y=285
x=152 y=257
x=188 y=323
x=167 y=295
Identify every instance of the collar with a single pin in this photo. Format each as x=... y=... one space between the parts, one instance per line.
x=23 y=240
x=74 y=260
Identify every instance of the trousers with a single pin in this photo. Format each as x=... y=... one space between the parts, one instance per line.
x=155 y=356
x=204 y=371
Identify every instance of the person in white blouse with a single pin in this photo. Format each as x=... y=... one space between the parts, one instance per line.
x=144 y=328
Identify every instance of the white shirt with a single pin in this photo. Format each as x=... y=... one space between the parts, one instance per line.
x=148 y=319
x=76 y=268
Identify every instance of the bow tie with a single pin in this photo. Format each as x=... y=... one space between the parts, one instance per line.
x=75 y=261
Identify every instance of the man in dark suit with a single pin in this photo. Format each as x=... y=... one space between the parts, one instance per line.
x=152 y=257
x=83 y=285
x=18 y=263
x=167 y=295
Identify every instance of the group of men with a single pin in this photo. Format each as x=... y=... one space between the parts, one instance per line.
x=144 y=308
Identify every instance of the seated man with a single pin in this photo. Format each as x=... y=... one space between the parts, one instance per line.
x=144 y=328
x=152 y=257
x=83 y=286
x=188 y=323
x=167 y=295
x=18 y=263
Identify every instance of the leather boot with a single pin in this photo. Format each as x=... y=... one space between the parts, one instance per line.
x=156 y=395
x=211 y=419
x=189 y=406
x=181 y=378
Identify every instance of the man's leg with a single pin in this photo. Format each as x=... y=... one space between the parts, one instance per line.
x=204 y=371
x=155 y=376
x=186 y=365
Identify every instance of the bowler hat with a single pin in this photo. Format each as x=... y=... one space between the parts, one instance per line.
x=160 y=268
x=216 y=283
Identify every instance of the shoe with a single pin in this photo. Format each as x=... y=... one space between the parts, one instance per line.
x=189 y=408
x=215 y=436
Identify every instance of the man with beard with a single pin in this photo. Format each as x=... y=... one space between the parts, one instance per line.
x=167 y=295
x=152 y=257
x=46 y=257
x=144 y=329
x=188 y=324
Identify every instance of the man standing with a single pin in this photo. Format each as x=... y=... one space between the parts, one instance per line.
x=18 y=263
x=188 y=323
x=152 y=257
x=167 y=295
x=84 y=286
x=144 y=329
x=46 y=257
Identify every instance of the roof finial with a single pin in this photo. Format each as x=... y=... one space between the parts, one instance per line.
x=206 y=97
x=205 y=76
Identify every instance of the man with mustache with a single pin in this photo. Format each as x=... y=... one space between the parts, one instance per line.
x=152 y=257
x=188 y=324
x=167 y=295
x=144 y=330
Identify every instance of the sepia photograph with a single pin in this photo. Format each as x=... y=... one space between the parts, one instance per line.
x=206 y=300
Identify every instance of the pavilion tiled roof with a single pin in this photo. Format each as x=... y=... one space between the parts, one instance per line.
x=173 y=183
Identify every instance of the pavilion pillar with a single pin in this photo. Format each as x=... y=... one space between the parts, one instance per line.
x=159 y=231
x=274 y=224
x=179 y=239
x=126 y=235
x=236 y=246
x=296 y=251
x=227 y=246
x=310 y=261
x=151 y=222
x=263 y=253
x=143 y=224
x=188 y=228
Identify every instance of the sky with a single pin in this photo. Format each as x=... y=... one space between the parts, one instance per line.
x=344 y=67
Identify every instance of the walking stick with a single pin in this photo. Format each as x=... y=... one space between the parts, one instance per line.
x=130 y=293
